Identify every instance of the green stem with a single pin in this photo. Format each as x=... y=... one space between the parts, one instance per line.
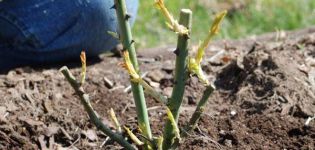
x=199 y=110
x=137 y=89
x=181 y=75
x=89 y=109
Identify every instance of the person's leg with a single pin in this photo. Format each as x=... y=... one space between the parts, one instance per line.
x=46 y=31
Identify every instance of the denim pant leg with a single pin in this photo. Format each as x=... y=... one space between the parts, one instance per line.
x=48 y=31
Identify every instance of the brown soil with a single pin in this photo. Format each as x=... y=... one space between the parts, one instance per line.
x=265 y=93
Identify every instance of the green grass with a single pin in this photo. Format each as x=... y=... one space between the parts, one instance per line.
x=259 y=16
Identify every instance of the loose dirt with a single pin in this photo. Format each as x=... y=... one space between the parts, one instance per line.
x=265 y=93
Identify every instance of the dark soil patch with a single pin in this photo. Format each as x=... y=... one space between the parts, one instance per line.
x=265 y=92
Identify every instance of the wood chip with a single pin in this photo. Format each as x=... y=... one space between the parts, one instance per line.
x=30 y=121
x=66 y=134
x=108 y=83
x=156 y=75
x=48 y=106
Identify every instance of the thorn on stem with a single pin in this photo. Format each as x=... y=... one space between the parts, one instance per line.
x=187 y=36
x=127 y=16
x=176 y=52
x=113 y=7
x=132 y=41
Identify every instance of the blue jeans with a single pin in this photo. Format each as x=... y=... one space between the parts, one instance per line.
x=51 y=31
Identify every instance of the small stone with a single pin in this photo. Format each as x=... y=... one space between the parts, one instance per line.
x=159 y=58
x=168 y=91
x=156 y=75
x=58 y=96
x=90 y=134
x=154 y=84
x=11 y=107
x=3 y=110
x=228 y=143
x=51 y=130
x=168 y=66
x=233 y=113
x=146 y=79
x=222 y=132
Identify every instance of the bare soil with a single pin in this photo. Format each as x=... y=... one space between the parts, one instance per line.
x=265 y=92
